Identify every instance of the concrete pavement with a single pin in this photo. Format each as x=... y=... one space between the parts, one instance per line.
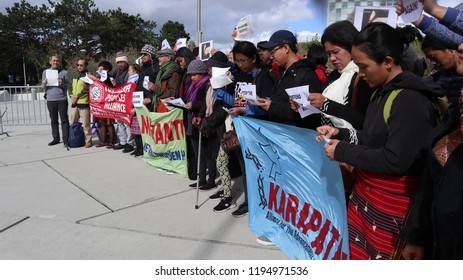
x=97 y=203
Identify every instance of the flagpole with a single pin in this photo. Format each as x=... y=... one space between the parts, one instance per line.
x=198 y=23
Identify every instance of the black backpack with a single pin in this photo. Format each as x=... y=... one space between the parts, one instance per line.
x=76 y=136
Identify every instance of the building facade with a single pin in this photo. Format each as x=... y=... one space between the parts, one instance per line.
x=344 y=9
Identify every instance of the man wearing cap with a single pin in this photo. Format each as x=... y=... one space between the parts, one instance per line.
x=283 y=51
x=121 y=76
x=266 y=61
x=169 y=77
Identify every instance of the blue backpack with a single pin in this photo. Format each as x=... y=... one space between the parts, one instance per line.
x=76 y=136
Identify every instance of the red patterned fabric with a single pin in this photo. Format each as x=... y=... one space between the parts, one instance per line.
x=377 y=209
x=445 y=146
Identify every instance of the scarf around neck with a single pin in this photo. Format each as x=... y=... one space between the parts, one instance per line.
x=194 y=88
x=339 y=89
x=164 y=70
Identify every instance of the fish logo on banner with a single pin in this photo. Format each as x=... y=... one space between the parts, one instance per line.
x=295 y=193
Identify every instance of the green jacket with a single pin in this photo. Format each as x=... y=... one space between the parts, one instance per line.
x=80 y=89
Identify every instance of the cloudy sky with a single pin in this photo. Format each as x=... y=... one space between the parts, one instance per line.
x=306 y=17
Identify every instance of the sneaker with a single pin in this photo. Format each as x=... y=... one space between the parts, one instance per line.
x=128 y=148
x=207 y=187
x=118 y=147
x=263 y=240
x=54 y=142
x=224 y=205
x=217 y=195
x=241 y=211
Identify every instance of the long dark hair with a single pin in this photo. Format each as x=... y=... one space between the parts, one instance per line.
x=379 y=40
x=186 y=54
x=341 y=33
x=248 y=49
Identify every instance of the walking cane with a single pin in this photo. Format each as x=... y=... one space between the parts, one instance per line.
x=197 y=171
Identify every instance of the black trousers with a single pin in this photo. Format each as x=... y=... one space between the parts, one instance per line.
x=55 y=109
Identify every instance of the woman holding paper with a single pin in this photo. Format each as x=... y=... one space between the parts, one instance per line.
x=342 y=106
x=385 y=153
x=246 y=57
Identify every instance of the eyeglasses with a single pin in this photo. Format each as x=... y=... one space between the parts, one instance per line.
x=241 y=61
x=273 y=51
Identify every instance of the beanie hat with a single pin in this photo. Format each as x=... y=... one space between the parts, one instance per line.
x=149 y=49
x=219 y=59
x=197 y=67
x=122 y=58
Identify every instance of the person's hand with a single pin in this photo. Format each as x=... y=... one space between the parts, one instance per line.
x=133 y=111
x=45 y=82
x=316 y=100
x=234 y=34
x=294 y=106
x=413 y=252
x=399 y=9
x=213 y=51
x=60 y=81
x=326 y=132
x=196 y=121
x=73 y=99
x=330 y=147
x=91 y=76
x=264 y=103
x=237 y=111
x=146 y=101
x=189 y=105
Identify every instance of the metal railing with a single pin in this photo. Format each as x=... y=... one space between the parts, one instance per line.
x=23 y=105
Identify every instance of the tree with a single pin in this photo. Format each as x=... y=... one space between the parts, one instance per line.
x=121 y=31
x=171 y=31
x=24 y=33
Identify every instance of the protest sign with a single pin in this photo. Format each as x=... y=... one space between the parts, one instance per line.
x=114 y=103
x=295 y=193
x=164 y=142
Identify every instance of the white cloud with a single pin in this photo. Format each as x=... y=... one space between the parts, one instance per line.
x=218 y=17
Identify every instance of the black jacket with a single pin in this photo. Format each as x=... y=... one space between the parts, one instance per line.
x=150 y=71
x=393 y=150
x=299 y=74
x=436 y=219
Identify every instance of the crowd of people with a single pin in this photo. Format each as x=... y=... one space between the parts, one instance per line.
x=400 y=156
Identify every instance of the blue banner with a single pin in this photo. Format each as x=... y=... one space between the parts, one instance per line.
x=295 y=193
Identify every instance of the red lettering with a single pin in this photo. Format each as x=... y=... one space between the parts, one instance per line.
x=320 y=239
x=281 y=208
x=340 y=255
x=334 y=238
x=145 y=123
x=315 y=220
x=272 y=198
x=168 y=133
x=159 y=136
x=291 y=209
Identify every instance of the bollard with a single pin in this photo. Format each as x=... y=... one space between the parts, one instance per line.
x=34 y=94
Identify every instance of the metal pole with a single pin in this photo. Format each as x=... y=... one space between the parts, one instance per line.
x=198 y=24
x=24 y=68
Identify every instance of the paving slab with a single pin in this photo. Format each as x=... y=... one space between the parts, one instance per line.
x=49 y=239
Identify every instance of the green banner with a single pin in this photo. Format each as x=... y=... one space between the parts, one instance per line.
x=163 y=136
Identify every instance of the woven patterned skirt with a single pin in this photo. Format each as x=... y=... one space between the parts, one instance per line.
x=377 y=209
x=135 y=126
